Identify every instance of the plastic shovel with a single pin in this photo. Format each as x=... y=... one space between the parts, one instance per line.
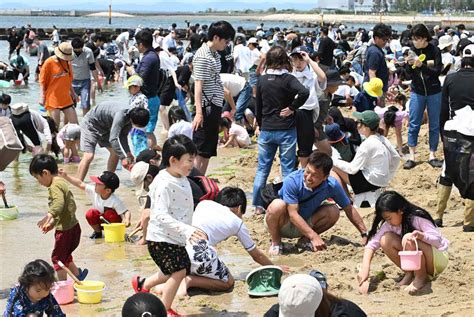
x=128 y=237
x=75 y=279
x=104 y=220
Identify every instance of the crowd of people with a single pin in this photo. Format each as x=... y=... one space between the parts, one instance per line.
x=284 y=90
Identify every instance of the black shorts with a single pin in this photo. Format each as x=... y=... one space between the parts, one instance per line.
x=170 y=258
x=168 y=92
x=206 y=137
x=360 y=184
x=305 y=132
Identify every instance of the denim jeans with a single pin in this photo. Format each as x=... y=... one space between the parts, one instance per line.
x=82 y=88
x=268 y=143
x=242 y=101
x=418 y=103
x=181 y=97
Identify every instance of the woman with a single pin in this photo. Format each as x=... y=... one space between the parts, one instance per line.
x=425 y=92
x=375 y=162
x=57 y=94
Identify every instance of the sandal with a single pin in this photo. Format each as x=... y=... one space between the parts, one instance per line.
x=137 y=284
x=275 y=250
x=436 y=163
x=409 y=165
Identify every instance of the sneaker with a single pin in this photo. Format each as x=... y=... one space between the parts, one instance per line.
x=467 y=228
x=75 y=159
x=439 y=223
x=172 y=313
x=96 y=235
x=435 y=163
x=82 y=274
x=137 y=284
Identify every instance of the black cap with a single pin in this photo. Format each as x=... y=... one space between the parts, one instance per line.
x=333 y=78
x=147 y=155
x=109 y=179
x=299 y=50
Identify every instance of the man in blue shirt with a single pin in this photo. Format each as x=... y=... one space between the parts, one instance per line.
x=148 y=69
x=375 y=64
x=303 y=210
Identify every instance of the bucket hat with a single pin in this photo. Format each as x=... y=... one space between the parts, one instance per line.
x=19 y=108
x=64 y=51
x=445 y=41
x=134 y=80
x=334 y=133
x=333 y=78
x=264 y=281
x=374 y=87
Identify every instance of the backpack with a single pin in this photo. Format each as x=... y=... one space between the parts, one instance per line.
x=10 y=144
x=208 y=187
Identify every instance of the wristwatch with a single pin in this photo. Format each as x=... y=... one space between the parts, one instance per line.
x=364 y=234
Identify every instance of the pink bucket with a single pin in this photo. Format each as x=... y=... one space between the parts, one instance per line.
x=410 y=260
x=63 y=291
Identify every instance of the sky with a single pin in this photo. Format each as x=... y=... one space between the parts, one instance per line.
x=149 y=2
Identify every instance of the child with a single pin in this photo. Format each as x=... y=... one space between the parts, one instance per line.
x=237 y=135
x=393 y=116
x=32 y=296
x=179 y=123
x=142 y=175
x=142 y=304
x=137 y=100
x=339 y=141
x=5 y=110
x=104 y=202
x=61 y=215
x=68 y=138
x=170 y=221
x=367 y=98
x=402 y=224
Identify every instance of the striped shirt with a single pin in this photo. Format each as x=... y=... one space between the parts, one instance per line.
x=206 y=67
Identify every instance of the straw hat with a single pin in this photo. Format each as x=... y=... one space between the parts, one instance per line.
x=64 y=51
x=374 y=87
x=445 y=41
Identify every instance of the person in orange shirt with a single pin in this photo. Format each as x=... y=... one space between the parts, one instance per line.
x=55 y=79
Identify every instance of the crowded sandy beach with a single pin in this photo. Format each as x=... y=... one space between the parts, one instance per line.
x=234 y=172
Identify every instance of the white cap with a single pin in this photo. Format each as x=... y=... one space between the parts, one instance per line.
x=445 y=41
x=468 y=51
x=300 y=296
x=138 y=173
x=19 y=108
x=252 y=40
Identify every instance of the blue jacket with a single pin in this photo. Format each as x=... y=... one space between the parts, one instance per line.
x=149 y=70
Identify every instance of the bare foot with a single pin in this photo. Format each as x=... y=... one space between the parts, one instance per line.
x=142 y=241
x=416 y=286
x=183 y=289
x=407 y=279
x=158 y=289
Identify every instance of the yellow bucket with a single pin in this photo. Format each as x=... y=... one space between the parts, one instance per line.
x=115 y=232
x=90 y=292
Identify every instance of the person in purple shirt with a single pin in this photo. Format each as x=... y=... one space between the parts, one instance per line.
x=307 y=206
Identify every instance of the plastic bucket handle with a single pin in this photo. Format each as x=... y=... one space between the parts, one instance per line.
x=416 y=244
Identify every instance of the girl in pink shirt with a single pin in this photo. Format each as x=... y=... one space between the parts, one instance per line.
x=402 y=223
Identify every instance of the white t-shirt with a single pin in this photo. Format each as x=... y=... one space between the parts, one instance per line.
x=220 y=223
x=171 y=209
x=181 y=127
x=242 y=58
x=175 y=61
x=165 y=61
x=240 y=132
x=233 y=83
x=309 y=80
x=345 y=90
x=100 y=204
x=122 y=37
x=55 y=36
x=254 y=57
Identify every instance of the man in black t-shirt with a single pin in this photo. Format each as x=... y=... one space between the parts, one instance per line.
x=326 y=48
x=194 y=39
x=15 y=42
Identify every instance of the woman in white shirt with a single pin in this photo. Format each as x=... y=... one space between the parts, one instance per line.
x=375 y=162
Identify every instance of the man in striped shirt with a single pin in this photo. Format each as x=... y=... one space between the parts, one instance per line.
x=209 y=92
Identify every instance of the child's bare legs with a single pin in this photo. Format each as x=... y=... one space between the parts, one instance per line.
x=421 y=276
x=144 y=224
x=67 y=152
x=199 y=282
x=398 y=133
x=170 y=287
x=62 y=275
x=391 y=244
x=164 y=117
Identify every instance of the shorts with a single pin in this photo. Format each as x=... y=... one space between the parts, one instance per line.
x=304 y=132
x=89 y=140
x=168 y=92
x=204 y=261
x=244 y=140
x=206 y=137
x=65 y=242
x=153 y=107
x=82 y=88
x=360 y=184
x=169 y=257
x=440 y=262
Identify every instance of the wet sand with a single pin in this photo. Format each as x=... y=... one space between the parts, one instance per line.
x=115 y=264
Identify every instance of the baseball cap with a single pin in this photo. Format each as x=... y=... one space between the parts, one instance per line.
x=369 y=118
x=468 y=51
x=109 y=179
x=134 y=80
x=299 y=50
x=252 y=40
x=147 y=155
x=299 y=296
x=138 y=173
x=333 y=78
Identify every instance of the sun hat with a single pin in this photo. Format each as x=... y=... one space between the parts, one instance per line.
x=109 y=179
x=72 y=132
x=138 y=173
x=134 y=80
x=299 y=296
x=334 y=133
x=19 y=108
x=374 y=87
x=64 y=51
x=368 y=118
x=252 y=40
x=445 y=41
x=468 y=51
x=333 y=78
x=299 y=50
x=264 y=281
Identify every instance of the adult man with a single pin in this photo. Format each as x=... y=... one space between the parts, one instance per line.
x=108 y=125
x=326 y=48
x=15 y=42
x=375 y=64
x=194 y=39
x=82 y=65
x=20 y=66
x=303 y=210
x=96 y=43
x=242 y=57
x=148 y=70
x=237 y=93
x=122 y=41
x=209 y=92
